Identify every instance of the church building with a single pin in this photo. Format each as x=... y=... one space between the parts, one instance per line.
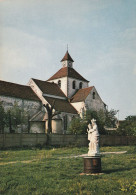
x=66 y=90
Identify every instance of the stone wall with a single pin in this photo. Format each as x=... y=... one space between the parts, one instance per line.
x=37 y=126
x=31 y=106
x=19 y=140
x=94 y=104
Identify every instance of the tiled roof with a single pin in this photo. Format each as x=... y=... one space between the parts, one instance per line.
x=49 y=88
x=67 y=57
x=81 y=94
x=17 y=90
x=67 y=72
x=40 y=116
x=43 y=116
x=53 y=89
x=61 y=105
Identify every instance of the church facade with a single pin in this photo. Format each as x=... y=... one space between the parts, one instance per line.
x=67 y=91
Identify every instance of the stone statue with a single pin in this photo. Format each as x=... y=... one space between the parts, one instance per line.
x=93 y=137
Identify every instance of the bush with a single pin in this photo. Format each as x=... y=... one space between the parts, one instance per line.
x=2 y=118
x=103 y=118
x=78 y=126
x=12 y=118
x=128 y=126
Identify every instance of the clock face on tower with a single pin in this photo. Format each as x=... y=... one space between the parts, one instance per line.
x=64 y=63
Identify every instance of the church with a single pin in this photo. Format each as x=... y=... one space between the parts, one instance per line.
x=67 y=91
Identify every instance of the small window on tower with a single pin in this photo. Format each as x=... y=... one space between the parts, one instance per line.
x=59 y=83
x=80 y=85
x=93 y=95
x=74 y=84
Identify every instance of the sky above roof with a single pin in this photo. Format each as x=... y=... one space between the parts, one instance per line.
x=101 y=36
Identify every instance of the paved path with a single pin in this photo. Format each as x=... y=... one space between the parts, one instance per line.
x=72 y=156
x=102 y=153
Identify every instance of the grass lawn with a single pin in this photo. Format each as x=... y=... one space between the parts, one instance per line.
x=46 y=171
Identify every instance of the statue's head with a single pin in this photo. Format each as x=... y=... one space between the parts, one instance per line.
x=93 y=121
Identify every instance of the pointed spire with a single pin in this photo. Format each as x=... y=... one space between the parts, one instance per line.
x=67 y=57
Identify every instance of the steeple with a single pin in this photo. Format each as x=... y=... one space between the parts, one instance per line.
x=67 y=61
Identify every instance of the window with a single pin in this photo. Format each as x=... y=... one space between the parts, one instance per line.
x=74 y=84
x=59 y=83
x=80 y=85
x=93 y=95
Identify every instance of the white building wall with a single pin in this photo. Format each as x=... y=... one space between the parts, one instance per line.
x=94 y=104
x=72 y=91
x=78 y=106
x=67 y=87
x=36 y=89
x=31 y=106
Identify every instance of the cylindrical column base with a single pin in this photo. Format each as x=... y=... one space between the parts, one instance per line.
x=92 y=164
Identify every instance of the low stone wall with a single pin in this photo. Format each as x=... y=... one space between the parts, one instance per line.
x=112 y=140
x=19 y=140
x=67 y=140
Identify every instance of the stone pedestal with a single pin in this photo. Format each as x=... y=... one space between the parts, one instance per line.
x=92 y=164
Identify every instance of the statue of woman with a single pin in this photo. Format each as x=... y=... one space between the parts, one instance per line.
x=93 y=137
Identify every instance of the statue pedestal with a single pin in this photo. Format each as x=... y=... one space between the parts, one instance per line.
x=92 y=164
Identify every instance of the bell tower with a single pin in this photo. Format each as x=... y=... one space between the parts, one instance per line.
x=67 y=61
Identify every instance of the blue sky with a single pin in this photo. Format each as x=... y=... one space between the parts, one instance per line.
x=101 y=35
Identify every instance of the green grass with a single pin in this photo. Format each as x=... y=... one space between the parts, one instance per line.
x=45 y=171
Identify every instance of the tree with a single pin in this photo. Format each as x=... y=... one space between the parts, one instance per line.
x=51 y=114
x=16 y=116
x=103 y=118
x=111 y=119
x=2 y=118
x=78 y=126
x=128 y=126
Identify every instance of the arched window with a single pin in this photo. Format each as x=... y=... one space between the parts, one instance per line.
x=93 y=95
x=74 y=84
x=59 y=83
x=80 y=85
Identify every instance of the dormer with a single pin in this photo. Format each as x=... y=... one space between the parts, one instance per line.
x=67 y=61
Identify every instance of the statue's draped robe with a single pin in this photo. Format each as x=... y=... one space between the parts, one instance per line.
x=93 y=137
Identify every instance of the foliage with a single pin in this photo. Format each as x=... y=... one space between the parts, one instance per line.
x=110 y=118
x=54 y=171
x=78 y=126
x=18 y=115
x=13 y=117
x=103 y=118
x=2 y=118
x=128 y=126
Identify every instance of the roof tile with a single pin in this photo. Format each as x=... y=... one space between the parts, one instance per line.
x=49 y=88
x=67 y=57
x=17 y=90
x=81 y=95
x=61 y=105
x=67 y=72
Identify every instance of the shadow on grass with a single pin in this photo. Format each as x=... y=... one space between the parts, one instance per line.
x=116 y=170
